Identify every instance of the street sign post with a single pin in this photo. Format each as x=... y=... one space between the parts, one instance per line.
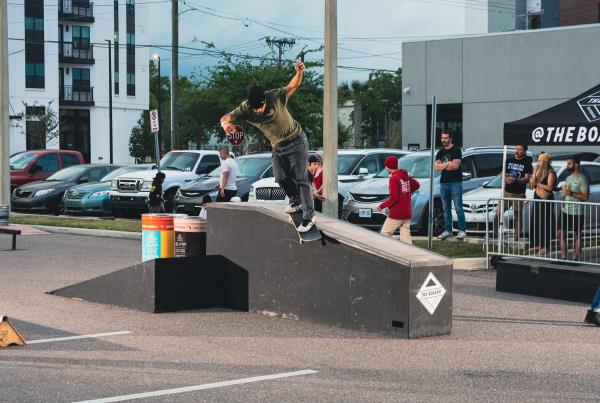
x=237 y=137
x=155 y=128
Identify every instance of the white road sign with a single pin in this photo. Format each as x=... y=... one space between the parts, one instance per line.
x=154 y=121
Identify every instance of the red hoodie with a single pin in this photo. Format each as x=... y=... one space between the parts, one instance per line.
x=401 y=188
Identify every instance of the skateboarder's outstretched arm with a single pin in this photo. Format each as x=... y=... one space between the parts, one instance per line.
x=296 y=80
x=227 y=123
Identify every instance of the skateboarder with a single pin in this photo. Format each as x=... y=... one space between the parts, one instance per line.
x=267 y=111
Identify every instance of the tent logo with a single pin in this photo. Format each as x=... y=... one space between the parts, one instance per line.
x=537 y=134
x=590 y=106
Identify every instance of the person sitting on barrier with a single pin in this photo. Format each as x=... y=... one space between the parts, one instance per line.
x=542 y=215
x=518 y=173
x=228 y=176
x=593 y=314
x=402 y=186
x=575 y=189
x=315 y=169
x=155 y=198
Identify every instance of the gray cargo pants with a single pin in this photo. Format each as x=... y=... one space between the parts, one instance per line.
x=290 y=169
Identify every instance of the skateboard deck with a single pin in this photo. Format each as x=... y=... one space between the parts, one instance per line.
x=312 y=235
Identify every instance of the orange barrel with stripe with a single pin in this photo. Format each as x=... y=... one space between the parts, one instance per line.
x=158 y=237
x=190 y=236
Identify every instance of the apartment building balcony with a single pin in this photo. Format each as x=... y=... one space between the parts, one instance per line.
x=74 y=52
x=76 y=10
x=76 y=95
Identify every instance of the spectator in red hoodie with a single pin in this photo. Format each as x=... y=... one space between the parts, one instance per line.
x=401 y=188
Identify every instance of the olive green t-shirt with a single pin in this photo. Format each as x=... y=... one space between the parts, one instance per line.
x=576 y=184
x=276 y=123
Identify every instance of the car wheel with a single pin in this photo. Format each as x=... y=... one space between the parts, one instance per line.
x=59 y=209
x=116 y=212
x=438 y=219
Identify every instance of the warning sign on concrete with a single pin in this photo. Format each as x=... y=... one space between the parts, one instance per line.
x=431 y=293
x=8 y=334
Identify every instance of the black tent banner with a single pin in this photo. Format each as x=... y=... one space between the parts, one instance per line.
x=574 y=122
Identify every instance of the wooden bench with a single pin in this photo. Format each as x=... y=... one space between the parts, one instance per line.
x=13 y=232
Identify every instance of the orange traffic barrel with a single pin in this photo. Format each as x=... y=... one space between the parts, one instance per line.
x=158 y=238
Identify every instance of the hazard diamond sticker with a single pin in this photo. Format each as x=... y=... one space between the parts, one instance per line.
x=431 y=293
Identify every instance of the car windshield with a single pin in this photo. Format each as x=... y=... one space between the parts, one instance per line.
x=121 y=171
x=180 y=161
x=249 y=167
x=494 y=183
x=67 y=174
x=418 y=166
x=346 y=163
x=20 y=161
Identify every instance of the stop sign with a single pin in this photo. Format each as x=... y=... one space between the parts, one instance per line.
x=237 y=137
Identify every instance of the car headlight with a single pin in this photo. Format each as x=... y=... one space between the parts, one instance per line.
x=114 y=184
x=252 y=189
x=99 y=194
x=213 y=194
x=348 y=197
x=178 y=194
x=42 y=192
x=147 y=185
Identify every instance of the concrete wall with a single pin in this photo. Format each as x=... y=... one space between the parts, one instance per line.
x=498 y=78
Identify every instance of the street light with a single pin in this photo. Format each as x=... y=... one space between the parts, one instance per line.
x=110 y=104
x=156 y=57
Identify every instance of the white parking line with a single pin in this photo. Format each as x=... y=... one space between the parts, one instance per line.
x=201 y=387
x=83 y=336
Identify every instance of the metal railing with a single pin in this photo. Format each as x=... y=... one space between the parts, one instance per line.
x=76 y=94
x=550 y=230
x=76 y=50
x=78 y=8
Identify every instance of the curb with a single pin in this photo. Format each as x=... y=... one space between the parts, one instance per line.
x=470 y=263
x=90 y=232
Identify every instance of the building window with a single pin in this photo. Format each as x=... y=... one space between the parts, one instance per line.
x=81 y=37
x=34 y=75
x=81 y=79
x=116 y=50
x=130 y=34
x=34 y=44
x=35 y=136
x=449 y=117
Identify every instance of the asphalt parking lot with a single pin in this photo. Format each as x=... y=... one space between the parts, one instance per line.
x=503 y=346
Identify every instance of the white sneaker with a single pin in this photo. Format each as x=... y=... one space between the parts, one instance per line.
x=444 y=235
x=292 y=208
x=305 y=227
x=461 y=235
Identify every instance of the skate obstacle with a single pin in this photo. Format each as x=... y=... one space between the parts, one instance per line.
x=354 y=278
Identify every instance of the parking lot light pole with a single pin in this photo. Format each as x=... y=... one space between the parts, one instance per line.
x=158 y=97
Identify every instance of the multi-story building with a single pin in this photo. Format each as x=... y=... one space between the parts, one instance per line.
x=59 y=61
x=511 y=15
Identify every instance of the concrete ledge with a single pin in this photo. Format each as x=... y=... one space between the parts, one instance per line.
x=469 y=263
x=89 y=232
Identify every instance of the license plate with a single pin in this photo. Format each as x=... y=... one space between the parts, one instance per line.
x=364 y=212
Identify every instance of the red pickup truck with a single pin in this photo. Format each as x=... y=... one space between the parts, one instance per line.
x=34 y=165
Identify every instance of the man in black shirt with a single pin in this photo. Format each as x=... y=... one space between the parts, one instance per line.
x=518 y=172
x=448 y=161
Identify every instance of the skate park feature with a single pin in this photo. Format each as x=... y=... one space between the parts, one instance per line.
x=352 y=278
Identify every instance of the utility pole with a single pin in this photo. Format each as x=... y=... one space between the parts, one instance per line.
x=110 y=103
x=174 y=72
x=4 y=135
x=280 y=44
x=330 y=100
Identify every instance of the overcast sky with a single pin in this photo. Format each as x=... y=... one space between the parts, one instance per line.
x=240 y=26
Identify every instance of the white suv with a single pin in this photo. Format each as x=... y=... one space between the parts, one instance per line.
x=354 y=166
x=130 y=192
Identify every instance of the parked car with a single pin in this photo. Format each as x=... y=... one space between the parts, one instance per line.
x=94 y=198
x=129 y=193
x=251 y=168
x=474 y=202
x=353 y=166
x=583 y=155
x=46 y=195
x=479 y=164
x=35 y=165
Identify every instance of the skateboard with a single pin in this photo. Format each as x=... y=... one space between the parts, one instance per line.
x=312 y=235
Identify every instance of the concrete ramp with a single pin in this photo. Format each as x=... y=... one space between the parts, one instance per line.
x=355 y=278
